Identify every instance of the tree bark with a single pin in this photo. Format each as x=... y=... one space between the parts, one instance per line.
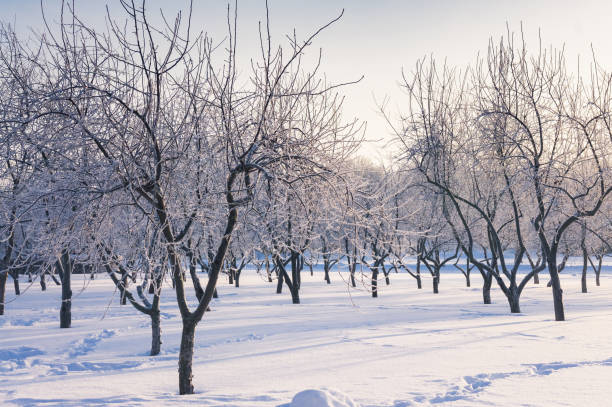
x=15 y=276
x=186 y=358
x=295 y=295
x=66 y=308
x=513 y=300
x=237 y=279
x=486 y=289
x=3 y=277
x=555 y=283
x=155 y=333
x=585 y=261
x=375 y=283
x=43 y=281
x=279 y=283
x=436 y=282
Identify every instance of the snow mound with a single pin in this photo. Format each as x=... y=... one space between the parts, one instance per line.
x=322 y=398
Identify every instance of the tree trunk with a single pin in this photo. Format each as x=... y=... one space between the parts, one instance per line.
x=387 y=281
x=598 y=269
x=155 y=333
x=536 y=278
x=199 y=291
x=122 y=296
x=237 y=279
x=467 y=280
x=186 y=358
x=353 y=283
x=555 y=283
x=231 y=277
x=585 y=261
x=15 y=276
x=418 y=273
x=43 y=281
x=66 y=308
x=295 y=295
x=375 y=283
x=486 y=289
x=513 y=300
x=3 y=277
x=326 y=268
x=279 y=283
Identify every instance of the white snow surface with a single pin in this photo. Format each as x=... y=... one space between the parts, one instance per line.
x=322 y=398
x=408 y=347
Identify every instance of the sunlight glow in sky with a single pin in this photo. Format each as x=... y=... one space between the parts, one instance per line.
x=379 y=38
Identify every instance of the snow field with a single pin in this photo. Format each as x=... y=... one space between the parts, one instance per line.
x=408 y=347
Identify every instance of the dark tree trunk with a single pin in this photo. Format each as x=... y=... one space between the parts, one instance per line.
x=585 y=261
x=279 y=283
x=199 y=291
x=268 y=272
x=15 y=276
x=43 y=281
x=555 y=283
x=215 y=294
x=353 y=283
x=467 y=280
x=513 y=300
x=375 y=283
x=418 y=273
x=186 y=358
x=231 y=277
x=155 y=333
x=536 y=278
x=486 y=289
x=3 y=277
x=598 y=269
x=66 y=308
x=295 y=295
x=436 y=282
x=125 y=282
x=326 y=268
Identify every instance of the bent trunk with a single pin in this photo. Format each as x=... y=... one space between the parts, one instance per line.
x=555 y=283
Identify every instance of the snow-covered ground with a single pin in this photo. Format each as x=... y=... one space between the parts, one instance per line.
x=408 y=347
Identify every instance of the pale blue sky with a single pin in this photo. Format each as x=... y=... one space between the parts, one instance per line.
x=378 y=38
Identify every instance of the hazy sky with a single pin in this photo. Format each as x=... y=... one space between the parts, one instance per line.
x=379 y=38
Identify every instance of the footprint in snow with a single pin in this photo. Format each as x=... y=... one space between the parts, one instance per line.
x=84 y=346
